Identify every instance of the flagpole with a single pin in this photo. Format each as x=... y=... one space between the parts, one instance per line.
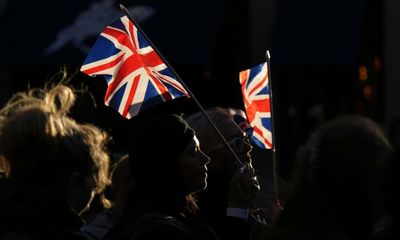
x=274 y=161
x=126 y=12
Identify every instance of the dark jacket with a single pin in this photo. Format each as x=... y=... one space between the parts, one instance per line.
x=148 y=218
x=213 y=204
x=28 y=212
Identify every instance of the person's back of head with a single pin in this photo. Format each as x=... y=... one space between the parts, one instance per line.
x=348 y=160
x=391 y=187
x=338 y=177
x=41 y=145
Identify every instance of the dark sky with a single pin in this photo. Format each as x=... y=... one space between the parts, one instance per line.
x=183 y=30
x=318 y=31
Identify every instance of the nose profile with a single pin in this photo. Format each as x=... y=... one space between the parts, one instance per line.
x=246 y=146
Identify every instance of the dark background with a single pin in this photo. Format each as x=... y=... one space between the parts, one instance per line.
x=327 y=55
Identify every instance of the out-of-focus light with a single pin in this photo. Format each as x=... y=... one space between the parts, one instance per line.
x=367 y=91
x=363 y=73
x=377 y=64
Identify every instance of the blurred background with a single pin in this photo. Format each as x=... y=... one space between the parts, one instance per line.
x=329 y=57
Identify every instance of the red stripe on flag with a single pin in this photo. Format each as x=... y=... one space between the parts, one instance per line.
x=163 y=90
x=255 y=88
x=133 y=35
x=121 y=37
x=243 y=76
x=174 y=83
x=104 y=66
x=259 y=132
x=132 y=92
x=151 y=59
x=125 y=69
x=263 y=105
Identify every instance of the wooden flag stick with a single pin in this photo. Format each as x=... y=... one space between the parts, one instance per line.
x=126 y=12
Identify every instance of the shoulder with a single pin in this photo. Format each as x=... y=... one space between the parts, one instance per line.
x=157 y=226
x=101 y=225
x=165 y=230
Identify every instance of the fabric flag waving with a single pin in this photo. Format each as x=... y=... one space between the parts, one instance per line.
x=256 y=98
x=137 y=77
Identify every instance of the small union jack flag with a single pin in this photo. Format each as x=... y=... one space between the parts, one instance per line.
x=256 y=97
x=137 y=77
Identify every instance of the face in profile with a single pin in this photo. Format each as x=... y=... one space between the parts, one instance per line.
x=221 y=157
x=193 y=167
x=82 y=192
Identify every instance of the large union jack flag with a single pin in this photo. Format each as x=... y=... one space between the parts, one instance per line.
x=137 y=77
x=256 y=97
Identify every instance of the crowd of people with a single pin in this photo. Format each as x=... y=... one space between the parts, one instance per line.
x=180 y=180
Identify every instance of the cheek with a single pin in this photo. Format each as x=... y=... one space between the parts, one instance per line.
x=188 y=169
x=86 y=196
x=216 y=164
x=86 y=201
x=89 y=197
x=192 y=173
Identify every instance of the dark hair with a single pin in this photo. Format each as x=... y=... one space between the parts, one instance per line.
x=156 y=146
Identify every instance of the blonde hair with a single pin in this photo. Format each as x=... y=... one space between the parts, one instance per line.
x=40 y=143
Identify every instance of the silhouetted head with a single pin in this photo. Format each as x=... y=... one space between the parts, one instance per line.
x=222 y=161
x=340 y=174
x=165 y=156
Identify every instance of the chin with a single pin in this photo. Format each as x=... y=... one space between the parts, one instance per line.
x=204 y=186
x=200 y=188
x=85 y=209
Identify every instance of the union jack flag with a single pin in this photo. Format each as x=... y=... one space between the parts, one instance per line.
x=256 y=97
x=137 y=77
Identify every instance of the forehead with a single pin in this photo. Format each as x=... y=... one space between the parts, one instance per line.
x=190 y=148
x=193 y=143
x=195 y=140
